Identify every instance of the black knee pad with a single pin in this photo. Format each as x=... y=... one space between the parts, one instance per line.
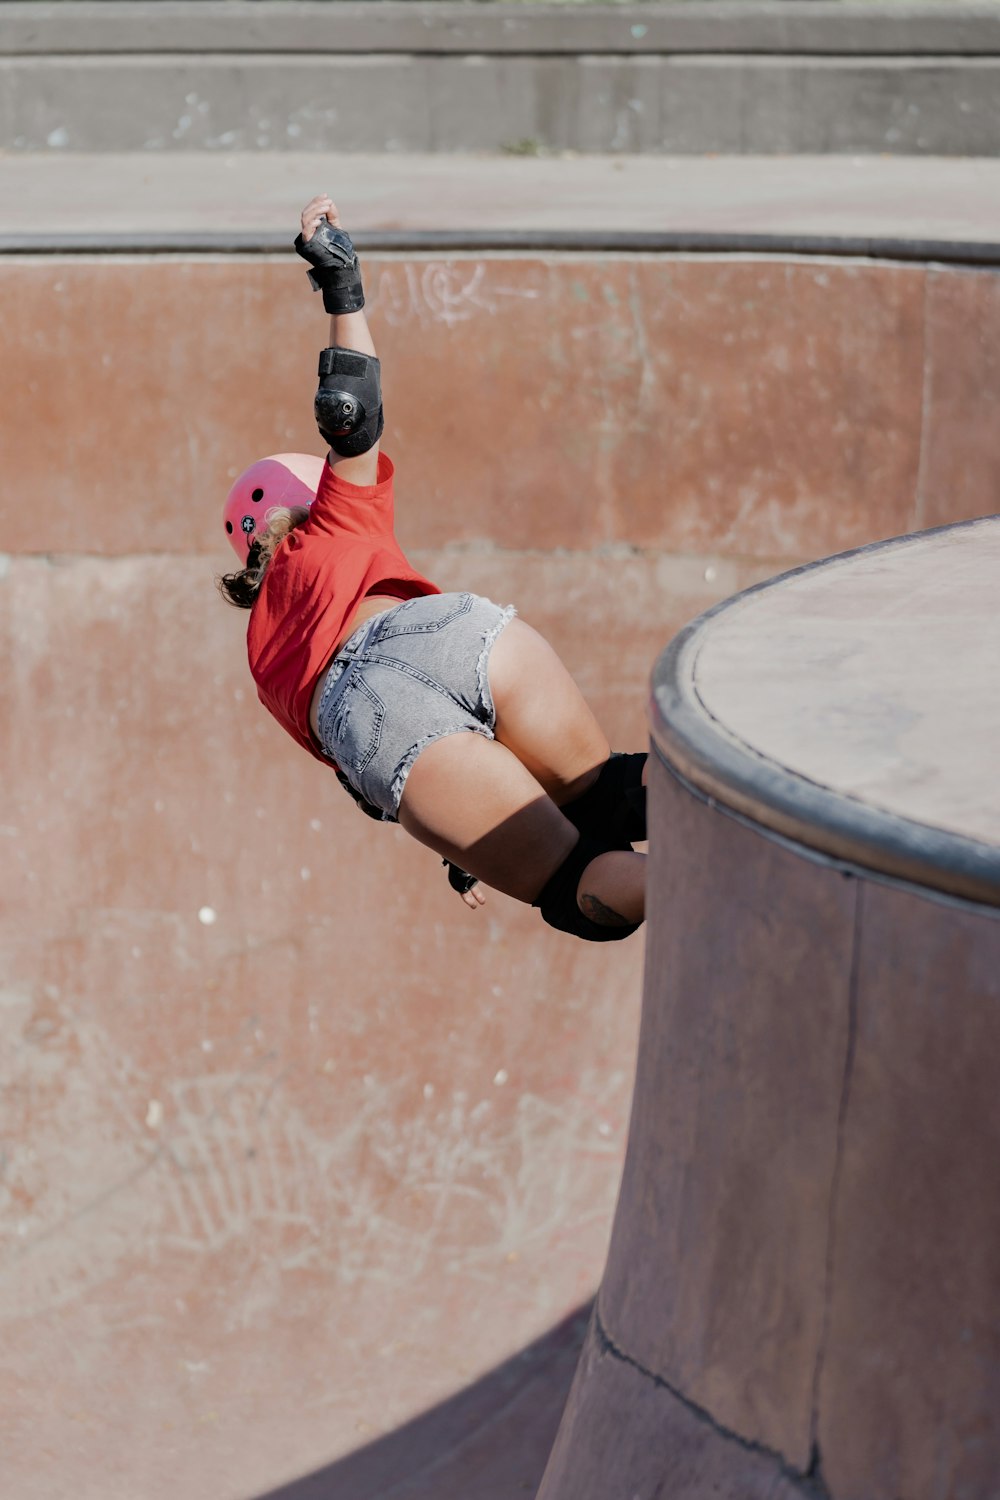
x=557 y=899
x=348 y=404
x=614 y=808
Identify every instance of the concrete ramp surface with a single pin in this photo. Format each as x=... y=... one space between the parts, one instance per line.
x=307 y=1174
x=296 y=1150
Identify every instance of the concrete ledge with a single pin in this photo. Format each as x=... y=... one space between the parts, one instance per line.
x=449 y=242
x=805 y=27
x=930 y=209
x=399 y=103
x=849 y=816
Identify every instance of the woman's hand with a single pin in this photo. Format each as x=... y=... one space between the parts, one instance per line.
x=465 y=884
x=316 y=209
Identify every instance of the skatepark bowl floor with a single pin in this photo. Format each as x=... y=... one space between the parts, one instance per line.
x=307 y=1174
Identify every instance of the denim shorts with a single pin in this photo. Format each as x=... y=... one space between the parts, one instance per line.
x=403 y=680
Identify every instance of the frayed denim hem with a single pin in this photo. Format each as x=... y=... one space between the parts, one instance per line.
x=410 y=676
x=507 y=614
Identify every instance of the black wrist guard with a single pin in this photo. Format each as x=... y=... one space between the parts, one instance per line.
x=336 y=271
x=460 y=880
x=348 y=404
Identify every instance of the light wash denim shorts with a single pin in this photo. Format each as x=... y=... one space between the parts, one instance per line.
x=403 y=680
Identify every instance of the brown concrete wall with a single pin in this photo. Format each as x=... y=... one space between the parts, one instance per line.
x=907 y=1388
x=724 y=406
x=734 y=1134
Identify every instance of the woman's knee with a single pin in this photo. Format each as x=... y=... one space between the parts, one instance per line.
x=597 y=893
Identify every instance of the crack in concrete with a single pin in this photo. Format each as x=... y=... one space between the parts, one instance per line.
x=807 y=1484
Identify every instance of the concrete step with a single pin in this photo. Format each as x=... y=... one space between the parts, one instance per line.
x=401 y=76
x=643 y=28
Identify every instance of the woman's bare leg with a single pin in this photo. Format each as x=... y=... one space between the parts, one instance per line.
x=474 y=801
x=492 y=806
x=542 y=716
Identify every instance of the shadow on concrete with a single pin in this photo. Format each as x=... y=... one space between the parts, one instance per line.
x=491 y=1440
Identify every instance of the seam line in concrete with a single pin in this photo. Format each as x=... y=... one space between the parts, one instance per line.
x=927 y=387
x=835 y=1177
x=608 y=1346
x=320 y=55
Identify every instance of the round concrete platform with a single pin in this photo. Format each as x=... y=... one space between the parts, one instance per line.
x=852 y=704
x=802 y=1295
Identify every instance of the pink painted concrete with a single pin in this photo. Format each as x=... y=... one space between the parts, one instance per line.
x=286 y=1199
x=273 y=1190
x=752 y=409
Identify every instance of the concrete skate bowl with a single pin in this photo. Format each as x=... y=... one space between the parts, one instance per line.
x=307 y=1174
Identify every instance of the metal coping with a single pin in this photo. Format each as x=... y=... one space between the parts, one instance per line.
x=680 y=241
x=729 y=772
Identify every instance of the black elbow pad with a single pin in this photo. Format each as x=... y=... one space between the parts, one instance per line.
x=348 y=403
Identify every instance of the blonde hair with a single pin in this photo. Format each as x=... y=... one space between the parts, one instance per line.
x=242 y=587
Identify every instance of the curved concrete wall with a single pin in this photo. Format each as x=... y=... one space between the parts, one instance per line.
x=303 y=1168
x=802 y=1289
x=803 y=1277
x=242 y=1163
x=746 y=408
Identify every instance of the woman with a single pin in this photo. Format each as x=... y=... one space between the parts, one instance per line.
x=443 y=712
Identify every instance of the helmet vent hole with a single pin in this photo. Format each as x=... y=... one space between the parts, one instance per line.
x=257 y=495
x=229 y=527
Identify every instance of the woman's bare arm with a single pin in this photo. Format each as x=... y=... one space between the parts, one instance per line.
x=347 y=331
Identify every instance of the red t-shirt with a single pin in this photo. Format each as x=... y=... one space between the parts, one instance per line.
x=314 y=582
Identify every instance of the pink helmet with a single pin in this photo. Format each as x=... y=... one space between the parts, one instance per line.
x=281 y=479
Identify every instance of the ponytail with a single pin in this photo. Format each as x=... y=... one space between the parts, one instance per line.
x=242 y=587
